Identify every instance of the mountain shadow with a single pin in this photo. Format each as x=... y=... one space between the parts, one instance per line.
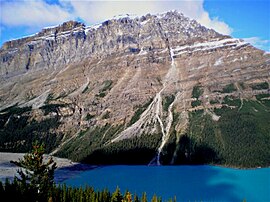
x=134 y=151
x=135 y=156
x=190 y=152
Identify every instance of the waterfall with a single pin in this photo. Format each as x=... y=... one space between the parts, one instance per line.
x=170 y=77
x=154 y=113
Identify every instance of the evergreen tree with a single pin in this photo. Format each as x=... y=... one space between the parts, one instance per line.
x=127 y=197
x=36 y=175
x=154 y=199
x=144 y=197
x=116 y=196
x=1 y=188
x=136 y=198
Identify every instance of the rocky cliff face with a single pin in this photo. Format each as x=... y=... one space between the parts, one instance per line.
x=126 y=78
x=72 y=41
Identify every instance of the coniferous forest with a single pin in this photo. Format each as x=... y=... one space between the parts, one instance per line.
x=36 y=184
x=14 y=191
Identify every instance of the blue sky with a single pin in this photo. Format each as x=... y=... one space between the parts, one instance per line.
x=247 y=19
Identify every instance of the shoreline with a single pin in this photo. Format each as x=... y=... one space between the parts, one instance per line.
x=67 y=168
x=9 y=170
x=238 y=167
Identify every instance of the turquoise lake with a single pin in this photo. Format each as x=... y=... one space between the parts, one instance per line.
x=187 y=183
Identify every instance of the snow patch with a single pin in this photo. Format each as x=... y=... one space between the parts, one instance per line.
x=218 y=61
x=215 y=117
x=131 y=16
x=95 y=27
x=145 y=22
x=231 y=42
x=234 y=60
x=201 y=66
x=236 y=70
x=142 y=52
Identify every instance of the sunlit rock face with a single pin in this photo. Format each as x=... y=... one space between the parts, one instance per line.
x=101 y=75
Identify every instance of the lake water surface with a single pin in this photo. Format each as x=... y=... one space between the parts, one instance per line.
x=187 y=183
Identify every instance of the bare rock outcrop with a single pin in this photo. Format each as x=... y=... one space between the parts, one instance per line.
x=101 y=75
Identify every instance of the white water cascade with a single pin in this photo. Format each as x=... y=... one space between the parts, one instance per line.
x=170 y=78
x=166 y=132
x=153 y=113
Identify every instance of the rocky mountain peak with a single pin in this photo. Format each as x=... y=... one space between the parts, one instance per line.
x=92 y=87
x=118 y=34
x=66 y=26
x=172 y=21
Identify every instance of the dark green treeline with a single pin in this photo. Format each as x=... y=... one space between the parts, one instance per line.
x=15 y=191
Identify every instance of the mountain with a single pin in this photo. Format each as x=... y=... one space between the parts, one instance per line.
x=158 y=89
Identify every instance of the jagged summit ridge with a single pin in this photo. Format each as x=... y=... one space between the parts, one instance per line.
x=66 y=27
x=186 y=24
x=77 y=42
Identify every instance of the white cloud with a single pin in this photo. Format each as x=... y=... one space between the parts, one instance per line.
x=215 y=24
x=259 y=43
x=40 y=13
x=97 y=11
x=32 y=13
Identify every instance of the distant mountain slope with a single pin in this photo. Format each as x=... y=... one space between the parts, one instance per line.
x=155 y=89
